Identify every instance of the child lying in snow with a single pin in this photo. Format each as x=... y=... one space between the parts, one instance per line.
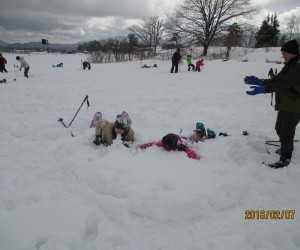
x=173 y=142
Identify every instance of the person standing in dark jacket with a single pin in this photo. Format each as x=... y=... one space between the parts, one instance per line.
x=175 y=61
x=286 y=86
x=87 y=65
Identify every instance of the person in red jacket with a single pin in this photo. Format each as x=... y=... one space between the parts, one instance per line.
x=172 y=142
x=2 y=64
x=199 y=64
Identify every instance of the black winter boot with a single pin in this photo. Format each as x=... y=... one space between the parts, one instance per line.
x=283 y=162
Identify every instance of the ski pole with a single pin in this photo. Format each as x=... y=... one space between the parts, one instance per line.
x=279 y=141
x=62 y=120
x=272 y=144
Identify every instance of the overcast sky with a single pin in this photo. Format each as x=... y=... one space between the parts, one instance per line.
x=72 y=21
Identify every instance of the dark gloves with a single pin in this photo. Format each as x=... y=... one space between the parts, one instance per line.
x=98 y=140
x=256 y=90
x=181 y=147
x=253 y=80
x=127 y=144
x=211 y=134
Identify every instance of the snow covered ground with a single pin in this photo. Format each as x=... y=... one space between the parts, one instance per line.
x=62 y=192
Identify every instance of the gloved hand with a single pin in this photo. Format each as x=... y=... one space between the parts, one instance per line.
x=253 y=80
x=181 y=147
x=98 y=140
x=127 y=144
x=256 y=90
x=211 y=134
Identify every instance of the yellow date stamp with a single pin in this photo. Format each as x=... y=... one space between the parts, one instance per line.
x=269 y=214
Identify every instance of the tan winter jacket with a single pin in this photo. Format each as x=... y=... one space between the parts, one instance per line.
x=24 y=64
x=106 y=130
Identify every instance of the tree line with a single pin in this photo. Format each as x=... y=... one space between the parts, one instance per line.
x=202 y=23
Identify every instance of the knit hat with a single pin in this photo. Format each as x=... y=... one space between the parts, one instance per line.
x=123 y=121
x=291 y=47
x=17 y=58
x=170 y=141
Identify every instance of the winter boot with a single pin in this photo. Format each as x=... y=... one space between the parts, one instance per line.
x=283 y=162
x=211 y=134
x=96 y=118
x=200 y=128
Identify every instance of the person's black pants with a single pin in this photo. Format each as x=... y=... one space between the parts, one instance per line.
x=26 y=72
x=3 y=69
x=285 y=127
x=191 y=65
x=174 y=65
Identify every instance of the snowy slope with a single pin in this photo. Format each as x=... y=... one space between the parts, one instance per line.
x=62 y=192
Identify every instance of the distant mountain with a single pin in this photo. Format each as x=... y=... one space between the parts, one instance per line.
x=3 y=43
x=38 y=46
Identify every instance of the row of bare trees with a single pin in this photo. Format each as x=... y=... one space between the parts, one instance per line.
x=193 y=23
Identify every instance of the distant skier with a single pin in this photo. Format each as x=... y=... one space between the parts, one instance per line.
x=199 y=64
x=106 y=132
x=87 y=65
x=3 y=61
x=189 y=63
x=24 y=65
x=175 y=61
x=286 y=85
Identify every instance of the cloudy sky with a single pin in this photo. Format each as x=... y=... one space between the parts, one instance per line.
x=72 y=21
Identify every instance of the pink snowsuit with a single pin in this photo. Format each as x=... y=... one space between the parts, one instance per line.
x=190 y=153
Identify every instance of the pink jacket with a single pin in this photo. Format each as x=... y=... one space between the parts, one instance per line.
x=190 y=153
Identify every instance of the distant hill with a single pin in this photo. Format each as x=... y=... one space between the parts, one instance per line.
x=38 y=46
x=2 y=43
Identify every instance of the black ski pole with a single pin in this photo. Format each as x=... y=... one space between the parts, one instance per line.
x=272 y=144
x=279 y=141
x=62 y=120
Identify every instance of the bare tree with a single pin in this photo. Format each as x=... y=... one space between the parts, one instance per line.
x=202 y=21
x=249 y=33
x=233 y=38
x=293 y=26
x=149 y=32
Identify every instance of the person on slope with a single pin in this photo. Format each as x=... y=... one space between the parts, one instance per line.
x=87 y=65
x=199 y=64
x=24 y=65
x=175 y=61
x=189 y=63
x=3 y=61
x=286 y=86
